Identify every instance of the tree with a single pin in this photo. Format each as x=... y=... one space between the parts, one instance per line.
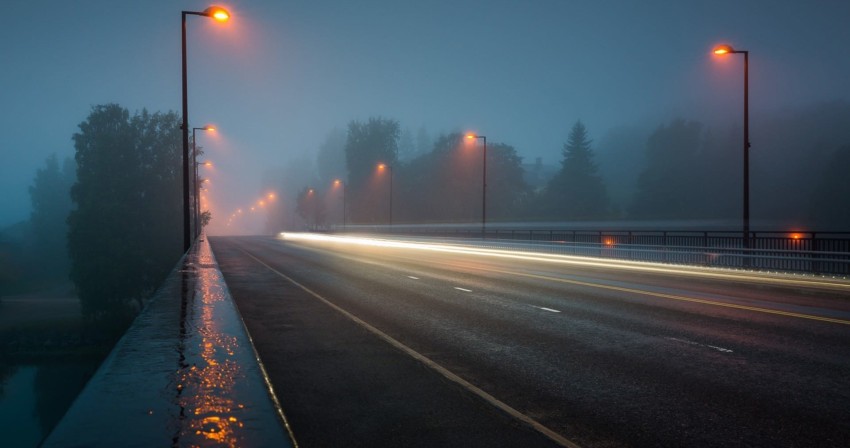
x=124 y=235
x=367 y=145
x=667 y=187
x=577 y=191
x=440 y=186
x=406 y=146
x=828 y=211
x=50 y=194
x=330 y=160
x=311 y=207
x=424 y=142
x=507 y=191
x=287 y=181
x=445 y=184
x=206 y=217
x=620 y=157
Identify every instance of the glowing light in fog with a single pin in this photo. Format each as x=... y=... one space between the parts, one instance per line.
x=692 y=271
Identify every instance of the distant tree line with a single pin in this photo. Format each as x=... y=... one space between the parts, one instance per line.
x=33 y=253
x=679 y=171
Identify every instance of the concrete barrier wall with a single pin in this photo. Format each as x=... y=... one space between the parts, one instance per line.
x=184 y=374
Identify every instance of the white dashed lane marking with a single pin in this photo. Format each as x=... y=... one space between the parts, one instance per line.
x=463 y=289
x=685 y=341
x=545 y=309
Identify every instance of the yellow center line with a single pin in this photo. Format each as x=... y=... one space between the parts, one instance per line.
x=669 y=296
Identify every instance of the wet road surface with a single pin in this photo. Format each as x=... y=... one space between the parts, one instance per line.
x=539 y=351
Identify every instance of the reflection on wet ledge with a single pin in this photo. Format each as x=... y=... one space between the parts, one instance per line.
x=184 y=375
x=207 y=381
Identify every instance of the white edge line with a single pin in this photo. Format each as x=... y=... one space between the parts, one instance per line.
x=554 y=436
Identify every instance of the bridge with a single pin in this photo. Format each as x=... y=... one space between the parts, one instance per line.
x=405 y=340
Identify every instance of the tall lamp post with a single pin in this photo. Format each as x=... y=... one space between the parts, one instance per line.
x=727 y=49
x=341 y=184
x=197 y=187
x=483 y=182
x=221 y=15
x=382 y=167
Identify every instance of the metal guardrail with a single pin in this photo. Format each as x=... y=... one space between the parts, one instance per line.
x=826 y=253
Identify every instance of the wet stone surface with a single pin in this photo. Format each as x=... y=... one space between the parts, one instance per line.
x=185 y=374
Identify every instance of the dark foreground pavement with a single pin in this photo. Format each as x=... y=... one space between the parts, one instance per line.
x=340 y=385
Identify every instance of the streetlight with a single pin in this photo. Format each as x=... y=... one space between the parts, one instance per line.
x=197 y=187
x=340 y=183
x=483 y=182
x=219 y=14
x=311 y=207
x=723 y=50
x=382 y=167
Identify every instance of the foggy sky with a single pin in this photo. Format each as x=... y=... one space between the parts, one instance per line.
x=281 y=74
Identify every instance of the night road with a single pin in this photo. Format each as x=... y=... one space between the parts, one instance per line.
x=409 y=345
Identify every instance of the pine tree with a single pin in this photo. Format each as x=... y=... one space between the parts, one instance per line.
x=577 y=191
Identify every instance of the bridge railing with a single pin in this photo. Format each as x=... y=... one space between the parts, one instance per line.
x=825 y=253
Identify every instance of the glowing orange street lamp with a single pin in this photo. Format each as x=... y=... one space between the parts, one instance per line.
x=483 y=182
x=724 y=50
x=382 y=167
x=219 y=14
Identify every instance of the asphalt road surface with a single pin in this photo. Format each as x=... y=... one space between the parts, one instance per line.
x=374 y=344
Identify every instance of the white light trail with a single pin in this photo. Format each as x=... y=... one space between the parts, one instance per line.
x=641 y=266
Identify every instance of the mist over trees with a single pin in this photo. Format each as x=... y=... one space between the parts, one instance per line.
x=828 y=208
x=577 y=192
x=368 y=144
x=33 y=253
x=298 y=173
x=124 y=234
x=680 y=171
x=51 y=204
x=310 y=207
x=666 y=187
x=444 y=185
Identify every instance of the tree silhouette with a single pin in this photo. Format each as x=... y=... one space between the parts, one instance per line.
x=577 y=191
x=667 y=188
x=50 y=195
x=828 y=210
x=124 y=234
x=367 y=145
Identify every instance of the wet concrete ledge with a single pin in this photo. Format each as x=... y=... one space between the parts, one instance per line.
x=184 y=374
